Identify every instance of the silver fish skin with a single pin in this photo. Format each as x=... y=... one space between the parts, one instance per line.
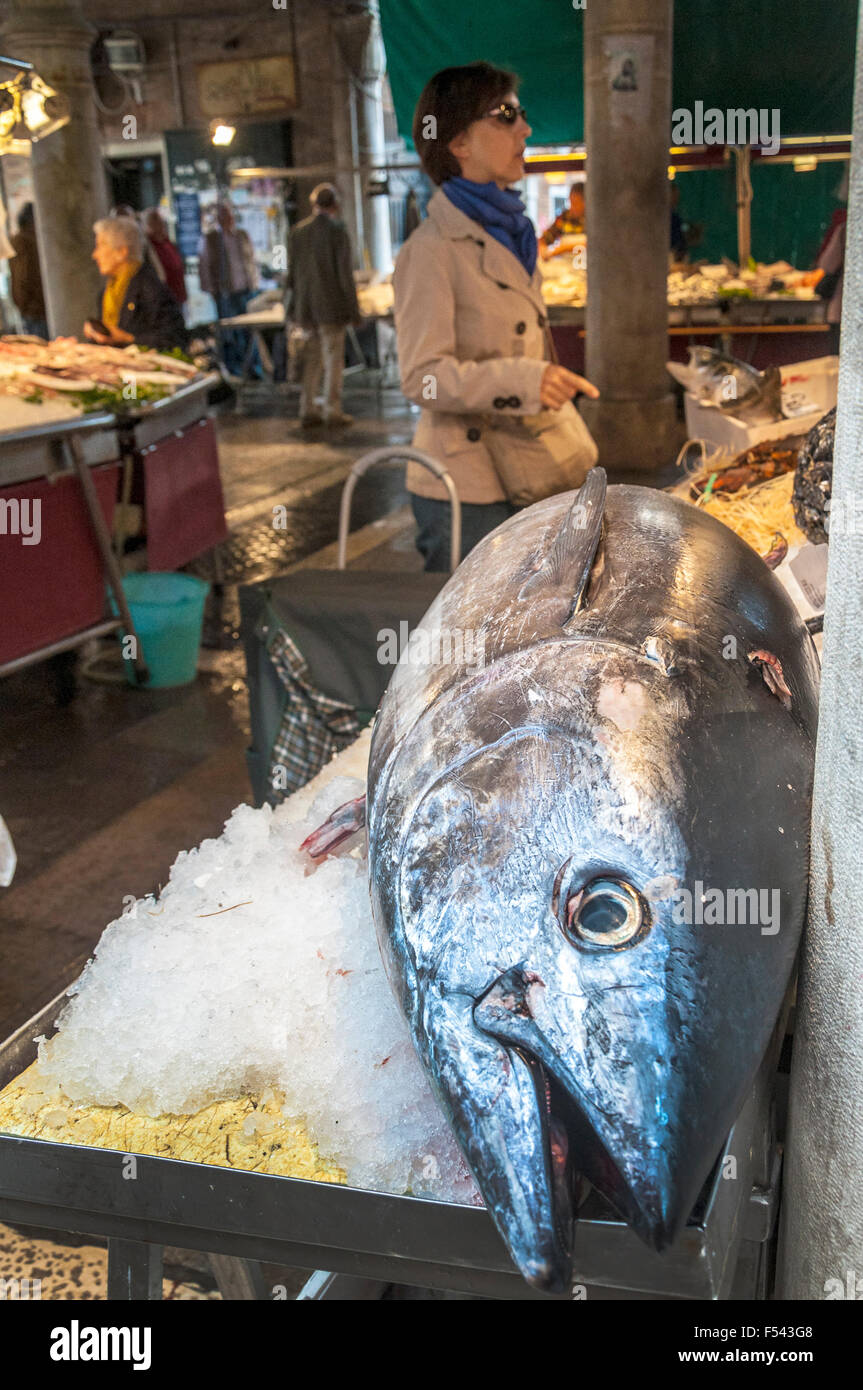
x=735 y=387
x=535 y=819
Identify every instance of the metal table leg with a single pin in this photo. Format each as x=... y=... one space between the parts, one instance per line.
x=238 y=1278
x=109 y=559
x=134 y=1271
x=263 y=352
x=340 y=1288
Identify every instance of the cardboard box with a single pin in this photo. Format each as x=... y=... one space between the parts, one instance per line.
x=816 y=379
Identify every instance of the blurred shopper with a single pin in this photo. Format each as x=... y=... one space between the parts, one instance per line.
x=322 y=299
x=229 y=273
x=829 y=288
x=473 y=339
x=168 y=255
x=556 y=240
x=137 y=307
x=26 y=275
x=678 y=231
x=831 y=259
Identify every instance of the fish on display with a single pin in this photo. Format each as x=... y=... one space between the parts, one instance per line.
x=732 y=386
x=638 y=735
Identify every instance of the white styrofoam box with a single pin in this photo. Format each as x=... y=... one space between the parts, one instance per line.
x=816 y=379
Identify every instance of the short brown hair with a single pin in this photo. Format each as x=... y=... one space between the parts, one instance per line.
x=324 y=196
x=449 y=103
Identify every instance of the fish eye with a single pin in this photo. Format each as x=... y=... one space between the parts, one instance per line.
x=606 y=914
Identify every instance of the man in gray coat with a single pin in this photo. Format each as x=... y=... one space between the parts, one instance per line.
x=322 y=298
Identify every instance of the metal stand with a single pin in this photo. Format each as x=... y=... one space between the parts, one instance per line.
x=134 y=1271
x=393 y=456
x=373 y=1237
x=109 y=559
x=239 y=1279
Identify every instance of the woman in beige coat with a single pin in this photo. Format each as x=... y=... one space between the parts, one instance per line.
x=472 y=328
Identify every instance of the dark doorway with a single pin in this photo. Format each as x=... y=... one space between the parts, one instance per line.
x=137 y=181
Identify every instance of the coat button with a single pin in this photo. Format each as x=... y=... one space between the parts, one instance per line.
x=521 y=327
x=514 y=402
x=473 y=434
x=501 y=285
x=500 y=402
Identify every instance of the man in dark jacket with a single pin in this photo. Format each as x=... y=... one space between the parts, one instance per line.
x=228 y=271
x=137 y=307
x=322 y=298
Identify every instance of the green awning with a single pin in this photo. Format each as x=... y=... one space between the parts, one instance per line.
x=794 y=55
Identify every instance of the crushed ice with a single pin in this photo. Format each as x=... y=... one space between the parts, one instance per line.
x=250 y=973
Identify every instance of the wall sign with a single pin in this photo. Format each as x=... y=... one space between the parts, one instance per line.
x=247 y=86
x=188 y=210
x=629 y=74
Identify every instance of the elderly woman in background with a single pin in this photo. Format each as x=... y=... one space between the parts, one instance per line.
x=474 y=346
x=137 y=307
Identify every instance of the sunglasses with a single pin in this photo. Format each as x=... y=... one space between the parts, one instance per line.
x=506 y=114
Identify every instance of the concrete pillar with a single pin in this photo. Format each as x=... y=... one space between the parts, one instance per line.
x=68 y=177
x=343 y=153
x=361 y=45
x=627 y=89
x=822 y=1201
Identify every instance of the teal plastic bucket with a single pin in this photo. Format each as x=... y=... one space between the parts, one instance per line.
x=168 y=614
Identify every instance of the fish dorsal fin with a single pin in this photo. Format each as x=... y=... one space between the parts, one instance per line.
x=566 y=568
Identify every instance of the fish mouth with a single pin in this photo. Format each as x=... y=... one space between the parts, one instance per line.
x=565 y=1185
x=576 y=1157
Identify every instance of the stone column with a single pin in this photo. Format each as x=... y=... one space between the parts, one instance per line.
x=68 y=177
x=627 y=88
x=821 y=1242
x=361 y=46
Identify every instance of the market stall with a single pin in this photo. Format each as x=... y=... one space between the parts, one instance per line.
x=768 y=315
x=89 y=433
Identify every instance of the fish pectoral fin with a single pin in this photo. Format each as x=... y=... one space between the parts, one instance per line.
x=566 y=568
x=339 y=826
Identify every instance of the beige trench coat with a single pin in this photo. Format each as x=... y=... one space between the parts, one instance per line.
x=472 y=343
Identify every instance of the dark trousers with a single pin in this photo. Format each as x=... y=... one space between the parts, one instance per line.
x=834 y=337
x=433 y=522
x=235 y=341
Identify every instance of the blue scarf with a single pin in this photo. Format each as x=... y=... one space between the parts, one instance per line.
x=501 y=212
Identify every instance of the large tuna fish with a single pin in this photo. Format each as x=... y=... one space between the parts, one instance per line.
x=589 y=797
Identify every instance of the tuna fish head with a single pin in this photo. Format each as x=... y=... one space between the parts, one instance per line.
x=529 y=838
x=536 y=891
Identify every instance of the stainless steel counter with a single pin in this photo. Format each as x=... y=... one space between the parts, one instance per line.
x=406 y=1240
x=38 y=452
